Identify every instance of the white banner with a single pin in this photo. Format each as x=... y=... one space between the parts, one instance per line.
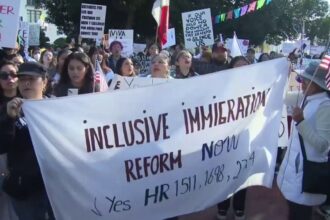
x=92 y=21
x=23 y=34
x=171 y=41
x=120 y=82
x=164 y=152
x=34 y=34
x=9 y=23
x=126 y=37
x=197 y=28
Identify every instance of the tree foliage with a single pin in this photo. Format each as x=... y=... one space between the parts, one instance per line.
x=280 y=20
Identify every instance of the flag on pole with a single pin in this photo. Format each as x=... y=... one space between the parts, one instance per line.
x=99 y=78
x=325 y=64
x=161 y=13
x=235 y=50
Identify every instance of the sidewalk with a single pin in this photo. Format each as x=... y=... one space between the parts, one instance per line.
x=261 y=204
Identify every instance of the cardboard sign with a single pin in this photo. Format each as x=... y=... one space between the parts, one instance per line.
x=23 y=34
x=9 y=22
x=92 y=21
x=197 y=28
x=126 y=37
x=34 y=34
x=144 y=61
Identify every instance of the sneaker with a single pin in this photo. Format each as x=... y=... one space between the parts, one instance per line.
x=239 y=215
x=222 y=215
x=324 y=211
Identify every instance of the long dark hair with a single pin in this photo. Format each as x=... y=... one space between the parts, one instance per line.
x=236 y=59
x=60 y=53
x=65 y=81
x=83 y=58
x=120 y=64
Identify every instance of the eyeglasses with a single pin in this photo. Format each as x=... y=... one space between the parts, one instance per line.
x=4 y=75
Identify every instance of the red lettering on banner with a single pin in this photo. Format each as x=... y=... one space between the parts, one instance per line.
x=139 y=168
x=125 y=134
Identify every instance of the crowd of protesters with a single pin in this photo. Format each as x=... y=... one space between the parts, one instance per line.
x=71 y=71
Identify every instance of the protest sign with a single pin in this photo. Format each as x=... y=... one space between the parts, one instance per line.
x=316 y=50
x=121 y=82
x=144 y=62
x=243 y=44
x=139 y=48
x=23 y=34
x=288 y=47
x=171 y=41
x=126 y=37
x=164 y=152
x=197 y=28
x=34 y=34
x=92 y=20
x=9 y=22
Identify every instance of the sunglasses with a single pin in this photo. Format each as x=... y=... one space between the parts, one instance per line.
x=4 y=75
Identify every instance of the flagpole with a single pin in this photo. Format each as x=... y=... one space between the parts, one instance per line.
x=156 y=40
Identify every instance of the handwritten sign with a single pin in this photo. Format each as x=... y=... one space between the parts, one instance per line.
x=159 y=155
x=197 y=28
x=144 y=61
x=92 y=20
x=9 y=22
x=171 y=41
x=34 y=34
x=126 y=37
x=23 y=34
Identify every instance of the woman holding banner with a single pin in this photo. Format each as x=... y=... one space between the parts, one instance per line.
x=239 y=197
x=77 y=76
x=8 y=90
x=24 y=183
x=313 y=126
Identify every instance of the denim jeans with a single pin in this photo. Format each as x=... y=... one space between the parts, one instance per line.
x=35 y=207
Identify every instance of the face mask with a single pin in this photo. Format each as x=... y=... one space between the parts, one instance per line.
x=37 y=56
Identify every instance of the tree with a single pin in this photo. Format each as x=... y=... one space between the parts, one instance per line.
x=279 y=20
